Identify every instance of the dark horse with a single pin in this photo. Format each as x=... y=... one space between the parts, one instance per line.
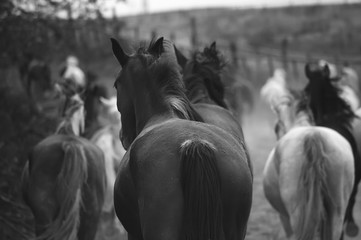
x=94 y=91
x=180 y=178
x=330 y=110
x=35 y=74
x=64 y=182
x=205 y=89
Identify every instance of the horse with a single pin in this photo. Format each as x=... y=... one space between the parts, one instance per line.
x=35 y=75
x=106 y=138
x=351 y=78
x=71 y=73
x=63 y=181
x=205 y=90
x=331 y=110
x=95 y=96
x=275 y=88
x=239 y=92
x=180 y=177
x=309 y=174
x=346 y=83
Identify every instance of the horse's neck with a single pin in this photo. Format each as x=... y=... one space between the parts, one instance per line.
x=65 y=127
x=197 y=91
x=149 y=109
x=70 y=126
x=302 y=119
x=201 y=96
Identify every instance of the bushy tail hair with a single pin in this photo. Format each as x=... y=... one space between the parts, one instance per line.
x=70 y=179
x=315 y=203
x=201 y=185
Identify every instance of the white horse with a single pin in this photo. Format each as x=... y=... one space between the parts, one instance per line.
x=275 y=89
x=107 y=139
x=73 y=79
x=308 y=176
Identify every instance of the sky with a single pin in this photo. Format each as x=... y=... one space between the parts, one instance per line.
x=131 y=7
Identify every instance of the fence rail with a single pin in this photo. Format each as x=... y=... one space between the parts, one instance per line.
x=256 y=64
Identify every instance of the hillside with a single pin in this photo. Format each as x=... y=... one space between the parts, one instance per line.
x=318 y=29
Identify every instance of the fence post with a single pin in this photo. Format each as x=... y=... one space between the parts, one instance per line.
x=284 y=48
x=234 y=53
x=136 y=33
x=246 y=69
x=194 y=34
x=153 y=34
x=270 y=64
x=337 y=62
x=295 y=69
x=172 y=37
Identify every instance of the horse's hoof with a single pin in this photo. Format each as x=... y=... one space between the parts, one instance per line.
x=351 y=229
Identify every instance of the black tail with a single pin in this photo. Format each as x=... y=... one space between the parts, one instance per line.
x=201 y=186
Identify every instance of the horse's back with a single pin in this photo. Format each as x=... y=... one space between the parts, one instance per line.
x=172 y=134
x=220 y=117
x=150 y=174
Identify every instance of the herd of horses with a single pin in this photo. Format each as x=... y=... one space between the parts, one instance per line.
x=180 y=168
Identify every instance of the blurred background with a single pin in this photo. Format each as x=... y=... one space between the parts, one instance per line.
x=255 y=36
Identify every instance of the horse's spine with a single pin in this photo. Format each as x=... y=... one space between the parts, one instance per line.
x=316 y=206
x=201 y=185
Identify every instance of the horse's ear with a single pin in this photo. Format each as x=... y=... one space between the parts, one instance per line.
x=308 y=71
x=181 y=59
x=326 y=71
x=157 y=48
x=118 y=52
x=213 y=46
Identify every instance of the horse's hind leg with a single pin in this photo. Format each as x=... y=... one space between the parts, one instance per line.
x=351 y=227
x=285 y=220
x=42 y=204
x=89 y=217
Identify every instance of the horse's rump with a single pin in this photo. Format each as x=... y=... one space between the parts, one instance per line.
x=222 y=118
x=54 y=189
x=312 y=170
x=316 y=202
x=201 y=181
x=199 y=148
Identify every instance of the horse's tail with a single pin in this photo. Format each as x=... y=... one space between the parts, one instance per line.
x=201 y=185
x=72 y=175
x=25 y=180
x=316 y=205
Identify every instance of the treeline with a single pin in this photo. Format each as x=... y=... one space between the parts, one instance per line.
x=54 y=38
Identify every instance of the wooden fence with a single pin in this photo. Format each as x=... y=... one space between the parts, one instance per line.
x=255 y=65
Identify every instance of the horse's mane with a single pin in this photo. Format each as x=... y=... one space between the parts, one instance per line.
x=65 y=126
x=204 y=70
x=325 y=102
x=301 y=106
x=165 y=70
